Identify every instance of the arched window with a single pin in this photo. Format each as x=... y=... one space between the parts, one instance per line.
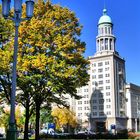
x=102 y=30
x=110 y=44
x=106 y=43
x=108 y=30
x=105 y=30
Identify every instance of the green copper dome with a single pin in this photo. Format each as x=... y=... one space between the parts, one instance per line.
x=105 y=18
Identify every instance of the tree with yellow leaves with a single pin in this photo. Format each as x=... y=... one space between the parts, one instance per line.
x=4 y=119
x=50 y=58
x=64 y=119
x=6 y=35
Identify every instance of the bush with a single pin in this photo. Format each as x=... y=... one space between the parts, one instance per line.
x=132 y=135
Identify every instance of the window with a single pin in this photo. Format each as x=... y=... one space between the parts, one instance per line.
x=107 y=81
x=100 y=95
x=105 y=30
x=106 y=44
x=100 y=70
x=100 y=64
x=108 y=100
x=100 y=82
x=94 y=113
x=86 y=96
x=107 y=87
x=111 y=44
x=85 y=90
x=86 y=102
x=120 y=84
x=101 y=113
x=86 y=114
x=108 y=106
x=107 y=75
x=107 y=63
x=108 y=113
x=100 y=76
x=79 y=90
x=94 y=64
x=79 y=102
x=79 y=108
x=94 y=107
x=94 y=101
x=93 y=76
x=79 y=114
x=93 y=83
x=107 y=93
x=120 y=67
x=101 y=107
x=106 y=69
x=102 y=30
x=93 y=71
x=86 y=108
x=100 y=88
x=94 y=94
x=108 y=30
x=101 y=101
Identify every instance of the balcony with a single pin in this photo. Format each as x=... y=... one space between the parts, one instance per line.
x=120 y=72
x=121 y=90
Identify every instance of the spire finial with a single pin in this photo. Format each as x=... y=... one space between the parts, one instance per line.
x=104 y=11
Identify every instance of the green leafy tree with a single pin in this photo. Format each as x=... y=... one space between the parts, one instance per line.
x=51 y=55
x=45 y=115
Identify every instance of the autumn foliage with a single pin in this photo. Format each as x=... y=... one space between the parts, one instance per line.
x=50 y=59
x=64 y=117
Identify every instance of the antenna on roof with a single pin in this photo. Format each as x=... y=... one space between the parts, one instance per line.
x=104 y=5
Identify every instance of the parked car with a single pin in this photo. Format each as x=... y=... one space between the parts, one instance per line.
x=81 y=132
x=1 y=135
x=43 y=131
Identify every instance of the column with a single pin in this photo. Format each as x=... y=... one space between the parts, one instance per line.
x=108 y=44
x=99 y=44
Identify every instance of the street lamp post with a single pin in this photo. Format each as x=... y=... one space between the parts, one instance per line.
x=12 y=132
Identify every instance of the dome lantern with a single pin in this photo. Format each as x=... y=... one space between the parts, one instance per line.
x=105 y=18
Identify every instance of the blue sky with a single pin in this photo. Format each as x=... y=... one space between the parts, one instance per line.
x=125 y=15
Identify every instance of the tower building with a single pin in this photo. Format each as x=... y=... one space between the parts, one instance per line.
x=108 y=102
x=107 y=80
x=103 y=103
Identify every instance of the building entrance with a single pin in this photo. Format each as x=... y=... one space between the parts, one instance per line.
x=100 y=127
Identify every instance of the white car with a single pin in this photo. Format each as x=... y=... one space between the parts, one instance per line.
x=43 y=131
x=51 y=131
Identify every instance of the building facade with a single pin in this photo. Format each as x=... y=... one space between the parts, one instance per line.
x=133 y=106
x=105 y=103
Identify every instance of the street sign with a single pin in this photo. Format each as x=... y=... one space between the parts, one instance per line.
x=113 y=126
x=51 y=125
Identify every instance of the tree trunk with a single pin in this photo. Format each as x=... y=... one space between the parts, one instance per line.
x=37 y=121
x=26 y=121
